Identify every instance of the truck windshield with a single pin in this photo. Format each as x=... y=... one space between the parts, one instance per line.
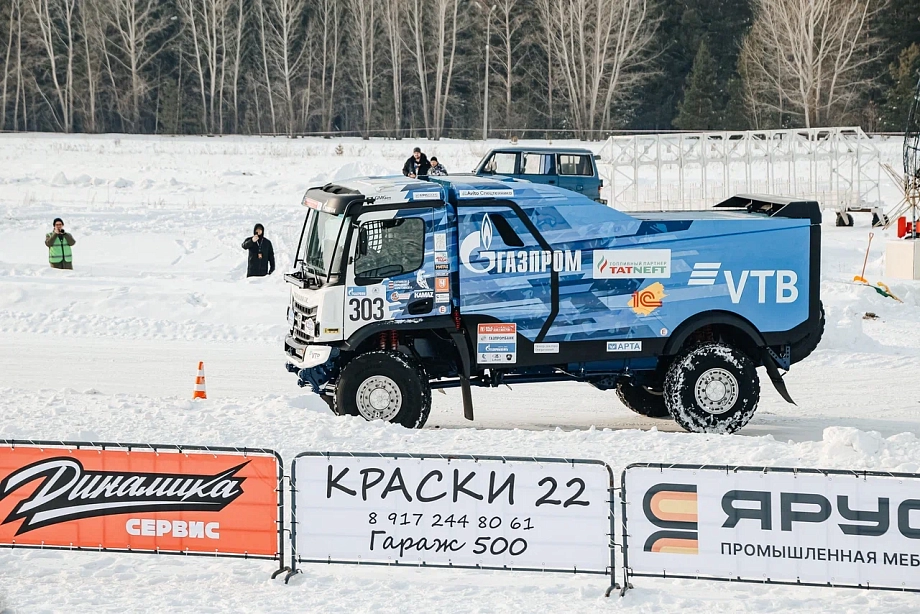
x=323 y=245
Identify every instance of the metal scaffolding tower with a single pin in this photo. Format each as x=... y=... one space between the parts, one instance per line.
x=838 y=167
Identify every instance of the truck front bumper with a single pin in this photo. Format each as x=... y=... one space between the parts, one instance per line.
x=303 y=356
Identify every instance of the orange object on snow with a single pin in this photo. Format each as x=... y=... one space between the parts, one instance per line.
x=199 y=384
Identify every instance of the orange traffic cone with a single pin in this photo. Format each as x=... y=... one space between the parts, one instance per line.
x=199 y=384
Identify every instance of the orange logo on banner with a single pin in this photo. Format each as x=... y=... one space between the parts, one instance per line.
x=214 y=502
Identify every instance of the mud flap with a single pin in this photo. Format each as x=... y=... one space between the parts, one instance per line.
x=465 y=391
x=770 y=364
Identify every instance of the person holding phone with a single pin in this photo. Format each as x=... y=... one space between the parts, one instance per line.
x=59 y=242
x=261 y=254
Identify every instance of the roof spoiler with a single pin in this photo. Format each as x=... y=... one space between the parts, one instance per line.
x=774 y=206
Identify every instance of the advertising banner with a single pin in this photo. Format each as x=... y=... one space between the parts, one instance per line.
x=803 y=526
x=218 y=501
x=469 y=511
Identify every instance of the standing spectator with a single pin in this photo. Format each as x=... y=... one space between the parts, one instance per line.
x=437 y=168
x=59 y=243
x=261 y=253
x=417 y=165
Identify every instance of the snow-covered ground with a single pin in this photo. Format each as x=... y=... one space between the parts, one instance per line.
x=109 y=352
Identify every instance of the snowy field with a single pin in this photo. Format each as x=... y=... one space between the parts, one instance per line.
x=108 y=352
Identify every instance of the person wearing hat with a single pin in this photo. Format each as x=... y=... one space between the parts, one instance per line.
x=59 y=243
x=437 y=169
x=417 y=165
x=261 y=253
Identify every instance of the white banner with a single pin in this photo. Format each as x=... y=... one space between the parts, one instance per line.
x=467 y=512
x=763 y=524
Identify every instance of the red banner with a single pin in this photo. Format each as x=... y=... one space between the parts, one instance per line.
x=167 y=500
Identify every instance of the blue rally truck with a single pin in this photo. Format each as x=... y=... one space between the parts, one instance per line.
x=403 y=285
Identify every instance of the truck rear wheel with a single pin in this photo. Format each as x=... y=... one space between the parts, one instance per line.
x=712 y=388
x=386 y=386
x=642 y=400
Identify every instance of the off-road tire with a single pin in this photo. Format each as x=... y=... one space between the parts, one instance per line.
x=724 y=367
x=642 y=401
x=409 y=377
x=800 y=350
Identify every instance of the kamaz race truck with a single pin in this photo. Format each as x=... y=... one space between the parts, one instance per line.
x=403 y=285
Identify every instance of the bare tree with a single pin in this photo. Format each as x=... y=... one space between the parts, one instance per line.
x=363 y=32
x=329 y=29
x=136 y=29
x=809 y=57
x=13 y=24
x=286 y=51
x=54 y=19
x=206 y=24
x=599 y=48
x=263 y=40
x=435 y=46
x=511 y=18
x=392 y=20
x=418 y=31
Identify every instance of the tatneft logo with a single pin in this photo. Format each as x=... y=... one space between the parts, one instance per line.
x=673 y=508
x=513 y=261
x=783 y=282
x=632 y=263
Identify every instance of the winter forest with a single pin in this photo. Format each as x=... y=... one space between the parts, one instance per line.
x=424 y=68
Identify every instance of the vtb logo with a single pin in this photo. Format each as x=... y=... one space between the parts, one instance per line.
x=673 y=508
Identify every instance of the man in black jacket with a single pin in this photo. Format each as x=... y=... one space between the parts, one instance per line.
x=417 y=164
x=261 y=254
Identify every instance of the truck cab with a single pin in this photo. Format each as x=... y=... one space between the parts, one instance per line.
x=403 y=285
x=570 y=168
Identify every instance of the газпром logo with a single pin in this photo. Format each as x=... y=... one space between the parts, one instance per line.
x=514 y=261
x=673 y=508
x=70 y=492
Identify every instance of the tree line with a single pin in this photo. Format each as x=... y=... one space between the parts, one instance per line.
x=417 y=68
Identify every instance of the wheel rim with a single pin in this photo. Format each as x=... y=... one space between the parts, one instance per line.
x=378 y=398
x=716 y=391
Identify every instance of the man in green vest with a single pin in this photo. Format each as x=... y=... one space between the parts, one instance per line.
x=59 y=243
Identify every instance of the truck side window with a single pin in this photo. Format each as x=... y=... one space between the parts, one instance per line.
x=536 y=164
x=572 y=164
x=501 y=163
x=389 y=247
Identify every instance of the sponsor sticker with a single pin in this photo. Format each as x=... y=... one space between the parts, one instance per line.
x=485 y=193
x=647 y=300
x=441 y=258
x=496 y=343
x=399 y=284
x=426 y=195
x=632 y=264
x=442 y=284
x=442 y=298
x=545 y=348
x=331 y=331
x=423 y=294
x=624 y=346
x=442 y=309
x=356 y=291
x=440 y=242
x=441 y=267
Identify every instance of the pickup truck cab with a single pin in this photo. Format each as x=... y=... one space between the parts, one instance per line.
x=404 y=285
x=569 y=168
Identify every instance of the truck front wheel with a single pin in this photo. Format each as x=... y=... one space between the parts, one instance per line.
x=642 y=400
x=386 y=386
x=712 y=388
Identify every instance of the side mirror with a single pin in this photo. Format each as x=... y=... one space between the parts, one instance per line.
x=362 y=241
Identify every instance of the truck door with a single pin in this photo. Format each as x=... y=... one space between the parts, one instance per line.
x=391 y=267
x=576 y=173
